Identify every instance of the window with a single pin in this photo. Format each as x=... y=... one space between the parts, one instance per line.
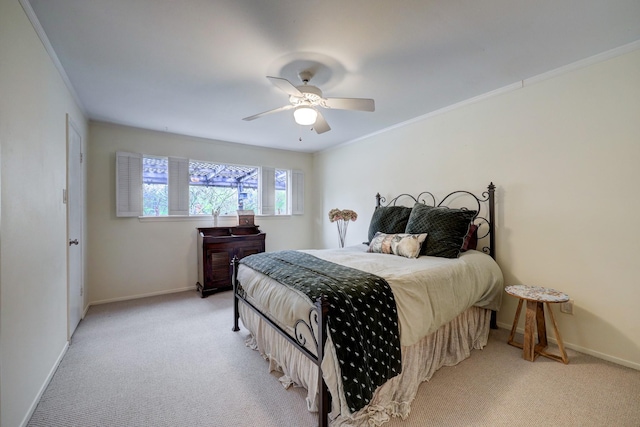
x=225 y=188
x=162 y=186
x=162 y=193
x=155 y=186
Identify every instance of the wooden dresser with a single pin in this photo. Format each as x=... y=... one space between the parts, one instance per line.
x=216 y=248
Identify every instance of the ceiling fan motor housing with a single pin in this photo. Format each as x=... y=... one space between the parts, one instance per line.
x=311 y=95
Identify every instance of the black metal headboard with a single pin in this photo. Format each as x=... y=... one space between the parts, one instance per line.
x=484 y=219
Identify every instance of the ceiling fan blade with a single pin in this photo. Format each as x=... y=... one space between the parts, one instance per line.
x=275 y=110
x=285 y=86
x=359 y=104
x=321 y=125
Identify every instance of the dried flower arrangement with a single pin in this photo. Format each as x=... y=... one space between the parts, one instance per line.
x=342 y=218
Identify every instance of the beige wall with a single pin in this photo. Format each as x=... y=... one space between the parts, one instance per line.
x=34 y=102
x=131 y=258
x=564 y=154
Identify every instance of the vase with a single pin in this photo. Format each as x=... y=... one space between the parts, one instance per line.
x=342 y=232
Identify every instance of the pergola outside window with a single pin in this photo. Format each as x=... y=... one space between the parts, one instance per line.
x=212 y=187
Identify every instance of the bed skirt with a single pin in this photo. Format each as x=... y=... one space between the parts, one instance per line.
x=448 y=346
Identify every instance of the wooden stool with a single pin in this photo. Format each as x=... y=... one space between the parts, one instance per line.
x=536 y=297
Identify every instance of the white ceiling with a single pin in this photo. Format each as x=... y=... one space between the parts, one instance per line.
x=197 y=67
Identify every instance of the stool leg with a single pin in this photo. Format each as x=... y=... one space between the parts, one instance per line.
x=528 y=346
x=542 y=327
x=563 y=353
x=515 y=324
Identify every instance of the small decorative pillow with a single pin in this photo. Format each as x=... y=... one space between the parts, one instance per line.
x=389 y=220
x=471 y=240
x=406 y=245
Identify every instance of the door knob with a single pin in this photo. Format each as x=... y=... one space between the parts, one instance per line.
x=73 y=242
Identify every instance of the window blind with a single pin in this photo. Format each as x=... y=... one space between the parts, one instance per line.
x=297 y=192
x=178 y=186
x=128 y=184
x=267 y=190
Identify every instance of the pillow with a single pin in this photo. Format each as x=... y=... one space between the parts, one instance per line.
x=389 y=220
x=446 y=227
x=406 y=245
x=471 y=239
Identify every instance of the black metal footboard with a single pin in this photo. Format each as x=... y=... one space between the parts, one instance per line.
x=317 y=323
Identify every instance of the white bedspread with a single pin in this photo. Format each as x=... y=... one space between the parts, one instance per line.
x=432 y=296
x=429 y=291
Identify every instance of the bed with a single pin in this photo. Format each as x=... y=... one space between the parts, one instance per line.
x=361 y=327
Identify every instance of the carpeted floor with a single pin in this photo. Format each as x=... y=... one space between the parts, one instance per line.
x=173 y=360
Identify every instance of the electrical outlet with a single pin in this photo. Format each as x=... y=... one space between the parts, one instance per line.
x=567 y=307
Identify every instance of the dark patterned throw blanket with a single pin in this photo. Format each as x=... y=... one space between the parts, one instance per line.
x=362 y=318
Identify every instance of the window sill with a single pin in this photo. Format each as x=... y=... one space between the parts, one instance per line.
x=224 y=221
x=174 y=218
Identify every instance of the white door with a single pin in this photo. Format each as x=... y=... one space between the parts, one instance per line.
x=75 y=203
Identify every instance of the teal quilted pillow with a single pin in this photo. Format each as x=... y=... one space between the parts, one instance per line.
x=389 y=220
x=446 y=228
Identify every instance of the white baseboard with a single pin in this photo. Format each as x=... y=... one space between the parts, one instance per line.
x=151 y=294
x=44 y=386
x=599 y=355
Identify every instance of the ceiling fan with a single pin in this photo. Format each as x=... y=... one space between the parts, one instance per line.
x=305 y=100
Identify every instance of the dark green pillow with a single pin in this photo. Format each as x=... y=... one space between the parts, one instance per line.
x=446 y=228
x=389 y=220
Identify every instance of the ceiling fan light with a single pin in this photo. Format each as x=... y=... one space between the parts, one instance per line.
x=305 y=116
